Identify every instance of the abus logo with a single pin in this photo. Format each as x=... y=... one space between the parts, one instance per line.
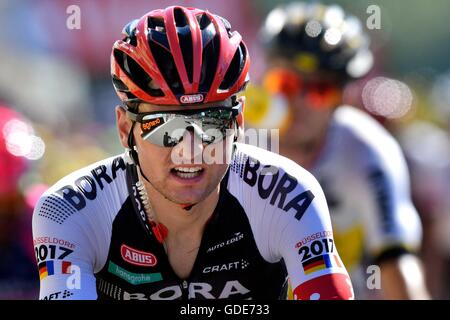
x=192 y=98
x=136 y=257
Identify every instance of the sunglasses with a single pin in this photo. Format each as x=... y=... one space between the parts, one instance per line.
x=317 y=94
x=166 y=129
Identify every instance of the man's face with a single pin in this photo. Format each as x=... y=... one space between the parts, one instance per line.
x=307 y=121
x=167 y=167
x=311 y=99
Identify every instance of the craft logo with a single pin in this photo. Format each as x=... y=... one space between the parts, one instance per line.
x=237 y=265
x=58 y=295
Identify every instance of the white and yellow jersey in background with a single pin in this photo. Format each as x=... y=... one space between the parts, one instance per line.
x=365 y=179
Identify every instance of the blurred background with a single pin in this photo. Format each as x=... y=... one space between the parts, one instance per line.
x=58 y=78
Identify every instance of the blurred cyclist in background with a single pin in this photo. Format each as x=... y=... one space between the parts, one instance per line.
x=313 y=52
x=425 y=140
x=18 y=277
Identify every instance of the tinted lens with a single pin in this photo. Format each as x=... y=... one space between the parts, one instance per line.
x=168 y=129
x=319 y=94
x=323 y=95
x=283 y=81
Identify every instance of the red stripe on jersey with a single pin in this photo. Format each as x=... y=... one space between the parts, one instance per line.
x=335 y=286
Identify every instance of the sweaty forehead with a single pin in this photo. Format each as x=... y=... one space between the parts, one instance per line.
x=148 y=107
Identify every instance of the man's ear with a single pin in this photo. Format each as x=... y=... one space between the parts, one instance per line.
x=123 y=125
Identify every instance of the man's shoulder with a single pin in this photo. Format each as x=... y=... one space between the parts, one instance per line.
x=362 y=134
x=254 y=163
x=250 y=153
x=81 y=188
x=101 y=172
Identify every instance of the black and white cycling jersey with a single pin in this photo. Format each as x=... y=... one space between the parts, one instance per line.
x=271 y=223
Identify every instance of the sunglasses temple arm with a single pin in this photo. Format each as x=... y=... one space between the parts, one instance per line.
x=132 y=116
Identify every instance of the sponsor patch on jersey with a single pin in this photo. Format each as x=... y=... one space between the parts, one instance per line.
x=202 y=290
x=235 y=238
x=45 y=252
x=236 y=265
x=312 y=237
x=58 y=295
x=51 y=267
x=320 y=263
x=137 y=257
x=53 y=240
x=72 y=198
x=131 y=277
x=318 y=255
x=276 y=188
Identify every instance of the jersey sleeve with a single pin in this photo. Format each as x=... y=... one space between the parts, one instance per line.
x=72 y=228
x=392 y=224
x=64 y=252
x=289 y=217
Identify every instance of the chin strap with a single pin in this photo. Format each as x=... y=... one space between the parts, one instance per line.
x=132 y=153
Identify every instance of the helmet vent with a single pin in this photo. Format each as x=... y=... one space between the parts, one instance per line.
x=130 y=33
x=156 y=24
x=167 y=67
x=203 y=20
x=136 y=74
x=185 y=41
x=235 y=68
x=157 y=32
x=209 y=62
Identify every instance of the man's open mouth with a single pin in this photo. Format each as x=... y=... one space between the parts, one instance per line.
x=187 y=172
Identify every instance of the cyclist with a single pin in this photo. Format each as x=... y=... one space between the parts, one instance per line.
x=313 y=51
x=155 y=223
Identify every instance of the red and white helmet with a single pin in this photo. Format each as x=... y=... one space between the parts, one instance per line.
x=179 y=56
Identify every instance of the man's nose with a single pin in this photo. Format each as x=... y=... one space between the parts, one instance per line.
x=190 y=147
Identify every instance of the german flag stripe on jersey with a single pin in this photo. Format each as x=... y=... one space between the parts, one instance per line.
x=317 y=263
x=49 y=268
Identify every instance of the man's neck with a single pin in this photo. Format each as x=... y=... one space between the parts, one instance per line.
x=178 y=220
